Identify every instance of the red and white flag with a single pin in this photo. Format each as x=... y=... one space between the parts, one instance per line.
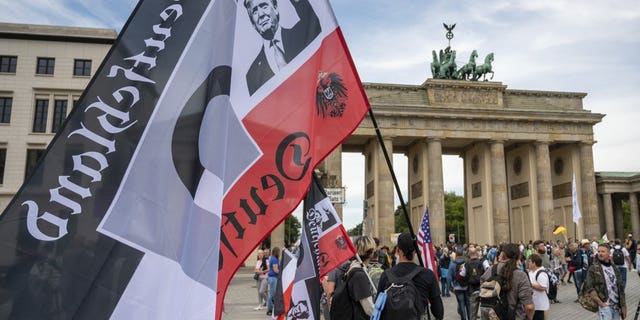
x=425 y=245
x=194 y=139
x=324 y=246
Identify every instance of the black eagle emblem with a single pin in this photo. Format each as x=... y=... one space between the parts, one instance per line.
x=331 y=95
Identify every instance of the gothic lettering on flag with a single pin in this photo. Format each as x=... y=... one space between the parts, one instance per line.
x=324 y=246
x=172 y=168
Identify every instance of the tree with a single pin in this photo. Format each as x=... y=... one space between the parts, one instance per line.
x=291 y=230
x=400 y=221
x=454 y=216
x=355 y=231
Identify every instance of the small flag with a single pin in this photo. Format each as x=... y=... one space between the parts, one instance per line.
x=324 y=245
x=425 y=245
x=282 y=300
x=559 y=230
x=574 y=197
x=604 y=239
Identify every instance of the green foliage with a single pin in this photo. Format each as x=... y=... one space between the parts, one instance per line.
x=400 y=222
x=626 y=217
x=454 y=216
x=291 y=229
x=355 y=231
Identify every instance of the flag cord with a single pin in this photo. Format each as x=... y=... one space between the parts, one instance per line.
x=395 y=183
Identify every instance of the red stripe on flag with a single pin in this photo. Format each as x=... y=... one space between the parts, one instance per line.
x=293 y=140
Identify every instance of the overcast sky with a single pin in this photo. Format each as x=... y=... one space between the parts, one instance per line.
x=577 y=46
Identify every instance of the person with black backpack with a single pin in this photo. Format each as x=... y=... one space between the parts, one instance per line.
x=352 y=298
x=409 y=286
x=540 y=284
x=506 y=290
x=620 y=257
x=472 y=272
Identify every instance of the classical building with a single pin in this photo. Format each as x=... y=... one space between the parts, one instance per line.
x=521 y=148
x=43 y=71
x=613 y=188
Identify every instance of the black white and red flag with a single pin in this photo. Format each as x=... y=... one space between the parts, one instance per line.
x=324 y=246
x=194 y=139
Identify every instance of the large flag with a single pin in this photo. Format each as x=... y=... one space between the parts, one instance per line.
x=574 y=201
x=180 y=157
x=425 y=245
x=324 y=245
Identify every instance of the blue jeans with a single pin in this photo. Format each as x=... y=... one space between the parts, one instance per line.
x=444 y=282
x=623 y=276
x=273 y=282
x=463 y=304
x=578 y=278
x=609 y=313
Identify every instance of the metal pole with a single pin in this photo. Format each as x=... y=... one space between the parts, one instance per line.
x=395 y=183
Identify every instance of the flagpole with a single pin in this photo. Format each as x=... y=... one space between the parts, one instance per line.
x=395 y=182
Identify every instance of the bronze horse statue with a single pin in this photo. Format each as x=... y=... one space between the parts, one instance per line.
x=435 y=65
x=483 y=69
x=467 y=70
x=448 y=66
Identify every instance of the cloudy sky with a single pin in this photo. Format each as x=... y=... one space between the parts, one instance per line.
x=577 y=46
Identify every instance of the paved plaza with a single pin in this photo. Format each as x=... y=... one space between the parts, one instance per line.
x=242 y=298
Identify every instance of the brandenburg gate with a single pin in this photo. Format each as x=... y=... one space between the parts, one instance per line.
x=520 y=148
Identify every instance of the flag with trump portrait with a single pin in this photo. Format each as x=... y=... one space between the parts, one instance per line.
x=193 y=140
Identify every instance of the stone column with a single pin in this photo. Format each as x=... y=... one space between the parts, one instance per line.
x=589 y=207
x=635 y=215
x=332 y=178
x=436 y=191
x=608 y=216
x=386 y=189
x=379 y=191
x=545 y=189
x=499 y=193
x=618 y=216
x=277 y=236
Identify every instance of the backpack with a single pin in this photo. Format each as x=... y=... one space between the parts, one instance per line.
x=375 y=272
x=493 y=300
x=552 y=290
x=342 y=305
x=618 y=257
x=473 y=271
x=402 y=297
x=458 y=278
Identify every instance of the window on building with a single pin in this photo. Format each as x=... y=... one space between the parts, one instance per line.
x=8 y=64
x=5 y=109
x=59 y=114
x=81 y=67
x=3 y=159
x=40 y=116
x=33 y=156
x=45 y=65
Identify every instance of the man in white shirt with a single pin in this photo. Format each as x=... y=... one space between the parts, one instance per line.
x=626 y=261
x=539 y=284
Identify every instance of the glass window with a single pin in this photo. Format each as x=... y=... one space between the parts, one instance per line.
x=8 y=64
x=3 y=159
x=45 y=65
x=59 y=114
x=81 y=67
x=33 y=156
x=5 y=109
x=40 y=116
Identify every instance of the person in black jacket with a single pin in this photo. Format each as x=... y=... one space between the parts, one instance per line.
x=280 y=45
x=425 y=281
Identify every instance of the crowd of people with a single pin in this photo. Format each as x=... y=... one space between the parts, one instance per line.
x=528 y=273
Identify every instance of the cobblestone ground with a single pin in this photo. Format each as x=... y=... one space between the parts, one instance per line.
x=242 y=298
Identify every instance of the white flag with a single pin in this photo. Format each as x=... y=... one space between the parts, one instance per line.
x=574 y=196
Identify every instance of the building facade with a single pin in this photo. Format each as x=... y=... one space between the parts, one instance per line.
x=43 y=72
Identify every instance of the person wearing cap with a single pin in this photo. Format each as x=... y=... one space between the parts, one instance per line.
x=425 y=281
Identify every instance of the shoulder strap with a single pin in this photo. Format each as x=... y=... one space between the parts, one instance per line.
x=395 y=279
x=494 y=270
x=538 y=273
